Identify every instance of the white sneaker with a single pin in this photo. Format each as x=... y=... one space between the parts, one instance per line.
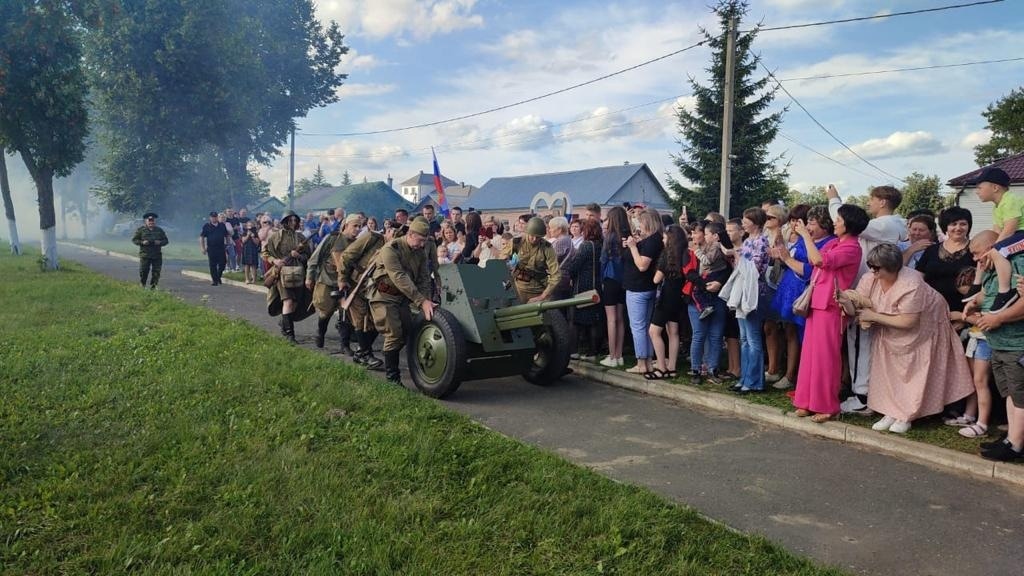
x=770 y=378
x=853 y=405
x=899 y=427
x=883 y=424
x=609 y=362
x=620 y=362
x=783 y=384
x=587 y=358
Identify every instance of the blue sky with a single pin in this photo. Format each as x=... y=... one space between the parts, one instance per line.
x=417 y=61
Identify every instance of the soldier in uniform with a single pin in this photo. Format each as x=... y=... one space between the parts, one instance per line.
x=536 y=271
x=352 y=261
x=322 y=275
x=401 y=280
x=287 y=247
x=150 y=239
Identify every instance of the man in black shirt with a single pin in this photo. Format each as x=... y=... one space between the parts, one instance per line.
x=212 y=241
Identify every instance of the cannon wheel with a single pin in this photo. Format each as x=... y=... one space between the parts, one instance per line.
x=552 y=356
x=436 y=355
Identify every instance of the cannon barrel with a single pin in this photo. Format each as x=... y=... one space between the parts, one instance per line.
x=525 y=315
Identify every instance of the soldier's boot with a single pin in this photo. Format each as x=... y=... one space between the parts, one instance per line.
x=345 y=333
x=358 y=354
x=391 y=370
x=321 y=331
x=288 y=328
x=366 y=345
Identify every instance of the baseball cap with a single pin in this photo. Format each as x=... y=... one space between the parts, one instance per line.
x=995 y=176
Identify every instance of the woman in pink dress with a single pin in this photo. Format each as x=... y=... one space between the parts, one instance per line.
x=837 y=263
x=917 y=361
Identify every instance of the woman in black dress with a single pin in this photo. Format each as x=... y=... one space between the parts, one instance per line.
x=941 y=263
x=585 y=271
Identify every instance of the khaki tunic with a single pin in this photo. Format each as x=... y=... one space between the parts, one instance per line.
x=280 y=245
x=322 y=272
x=352 y=261
x=537 y=270
x=401 y=281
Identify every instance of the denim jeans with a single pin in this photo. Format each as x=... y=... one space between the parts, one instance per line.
x=639 y=307
x=232 y=257
x=752 y=351
x=707 y=335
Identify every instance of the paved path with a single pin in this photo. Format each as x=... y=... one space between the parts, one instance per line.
x=865 y=512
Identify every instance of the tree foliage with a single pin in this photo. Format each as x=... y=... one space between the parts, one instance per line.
x=813 y=197
x=921 y=192
x=305 y=185
x=755 y=176
x=43 y=114
x=1006 y=121
x=221 y=79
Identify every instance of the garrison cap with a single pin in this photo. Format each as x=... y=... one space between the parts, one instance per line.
x=420 y=226
x=536 y=227
x=350 y=219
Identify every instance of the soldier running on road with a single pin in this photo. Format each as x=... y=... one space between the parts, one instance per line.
x=322 y=275
x=352 y=262
x=150 y=239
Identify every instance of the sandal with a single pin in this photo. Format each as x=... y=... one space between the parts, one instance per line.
x=974 y=431
x=654 y=375
x=636 y=370
x=821 y=418
x=801 y=413
x=963 y=420
x=670 y=375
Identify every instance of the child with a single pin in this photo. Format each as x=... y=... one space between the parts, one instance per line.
x=712 y=263
x=993 y=186
x=442 y=255
x=974 y=422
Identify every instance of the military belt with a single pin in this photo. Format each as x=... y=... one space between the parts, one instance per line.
x=385 y=287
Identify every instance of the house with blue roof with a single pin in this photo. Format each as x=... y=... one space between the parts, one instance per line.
x=570 y=192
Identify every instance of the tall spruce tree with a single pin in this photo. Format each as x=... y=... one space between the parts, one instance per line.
x=755 y=176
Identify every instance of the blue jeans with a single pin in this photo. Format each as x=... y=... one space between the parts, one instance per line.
x=639 y=307
x=232 y=258
x=752 y=351
x=708 y=331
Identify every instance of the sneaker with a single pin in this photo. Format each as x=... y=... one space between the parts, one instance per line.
x=707 y=311
x=782 y=384
x=770 y=378
x=883 y=424
x=975 y=288
x=609 y=362
x=620 y=362
x=993 y=444
x=1003 y=301
x=899 y=427
x=587 y=358
x=854 y=405
x=1002 y=453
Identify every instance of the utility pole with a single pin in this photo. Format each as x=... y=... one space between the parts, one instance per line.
x=291 y=174
x=730 y=69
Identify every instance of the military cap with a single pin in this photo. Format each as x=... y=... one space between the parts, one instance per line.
x=350 y=219
x=420 y=226
x=149 y=215
x=536 y=227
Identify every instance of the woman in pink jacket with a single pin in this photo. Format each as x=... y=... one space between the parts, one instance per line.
x=836 y=265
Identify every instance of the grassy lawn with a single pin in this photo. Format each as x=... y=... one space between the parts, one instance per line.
x=176 y=250
x=141 y=434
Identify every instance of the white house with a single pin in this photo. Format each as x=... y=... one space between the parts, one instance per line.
x=963 y=187
x=416 y=188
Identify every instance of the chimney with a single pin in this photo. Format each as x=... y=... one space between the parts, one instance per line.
x=390 y=181
x=462 y=184
x=626 y=163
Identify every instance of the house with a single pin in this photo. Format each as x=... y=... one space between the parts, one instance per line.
x=416 y=188
x=455 y=195
x=372 y=198
x=271 y=204
x=570 y=192
x=963 y=186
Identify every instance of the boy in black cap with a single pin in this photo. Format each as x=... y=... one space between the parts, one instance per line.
x=992 y=185
x=150 y=239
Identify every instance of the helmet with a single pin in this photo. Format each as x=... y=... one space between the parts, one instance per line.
x=536 y=227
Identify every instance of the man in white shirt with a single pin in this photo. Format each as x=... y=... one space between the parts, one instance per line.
x=884 y=227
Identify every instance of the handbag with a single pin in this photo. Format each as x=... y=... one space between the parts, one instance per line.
x=292 y=276
x=270 y=278
x=802 y=304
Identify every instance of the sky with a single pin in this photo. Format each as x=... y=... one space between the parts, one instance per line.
x=423 y=61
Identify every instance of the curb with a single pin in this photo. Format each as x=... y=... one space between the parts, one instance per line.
x=259 y=289
x=100 y=251
x=932 y=456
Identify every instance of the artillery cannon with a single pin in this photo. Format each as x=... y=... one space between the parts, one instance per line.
x=481 y=331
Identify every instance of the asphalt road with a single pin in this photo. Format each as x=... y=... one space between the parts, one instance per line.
x=865 y=512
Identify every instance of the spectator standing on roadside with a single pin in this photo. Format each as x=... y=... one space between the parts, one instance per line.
x=235 y=244
x=212 y=241
x=251 y=252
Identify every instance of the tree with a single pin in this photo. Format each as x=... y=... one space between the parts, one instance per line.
x=1006 y=121
x=813 y=197
x=755 y=177
x=921 y=192
x=346 y=179
x=5 y=189
x=43 y=116
x=225 y=77
x=305 y=185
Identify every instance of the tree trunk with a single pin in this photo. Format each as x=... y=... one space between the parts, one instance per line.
x=63 y=218
x=47 y=217
x=5 y=189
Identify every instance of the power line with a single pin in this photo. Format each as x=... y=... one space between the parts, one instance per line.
x=527 y=100
x=875 y=17
x=892 y=70
x=822 y=126
x=825 y=156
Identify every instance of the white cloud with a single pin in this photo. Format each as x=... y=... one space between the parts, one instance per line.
x=358 y=90
x=354 y=60
x=976 y=138
x=897 y=145
x=523 y=133
x=420 y=19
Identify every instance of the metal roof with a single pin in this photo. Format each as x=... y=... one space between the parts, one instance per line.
x=373 y=198
x=598 y=185
x=1012 y=165
x=424 y=179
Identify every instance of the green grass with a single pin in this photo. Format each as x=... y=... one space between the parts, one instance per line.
x=176 y=250
x=140 y=434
